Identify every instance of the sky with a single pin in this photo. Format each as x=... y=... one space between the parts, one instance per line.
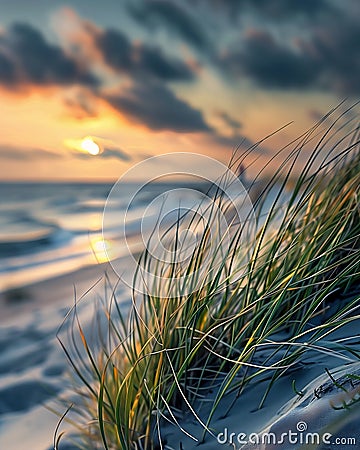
x=146 y=77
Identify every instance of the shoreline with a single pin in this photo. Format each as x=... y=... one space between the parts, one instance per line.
x=54 y=292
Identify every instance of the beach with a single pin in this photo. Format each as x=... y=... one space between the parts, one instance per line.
x=52 y=256
x=33 y=365
x=49 y=259
x=33 y=368
x=179 y=225
x=67 y=315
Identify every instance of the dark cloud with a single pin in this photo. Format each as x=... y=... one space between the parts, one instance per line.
x=115 y=153
x=282 y=9
x=276 y=10
x=335 y=51
x=172 y=16
x=153 y=61
x=7 y=69
x=156 y=106
x=25 y=154
x=229 y=121
x=27 y=58
x=327 y=59
x=269 y=63
x=116 y=49
x=140 y=60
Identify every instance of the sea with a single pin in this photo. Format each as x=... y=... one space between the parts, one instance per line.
x=49 y=229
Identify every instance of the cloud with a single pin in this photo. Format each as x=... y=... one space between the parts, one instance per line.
x=232 y=123
x=280 y=9
x=115 y=153
x=106 y=153
x=237 y=140
x=81 y=105
x=327 y=59
x=276 y=10
x=7 y=69
x=27 y=58
x=269 y=63
x=157 y=107
x=335 y=51
x=174 y=18
x=26 y=154
x=285 y=9
x=140 y=60
x=112 y=48
x=107 y=150
x=147 y=68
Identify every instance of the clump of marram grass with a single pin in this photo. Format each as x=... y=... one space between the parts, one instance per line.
x=153 y=363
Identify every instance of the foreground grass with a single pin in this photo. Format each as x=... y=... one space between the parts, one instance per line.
x=153 y=363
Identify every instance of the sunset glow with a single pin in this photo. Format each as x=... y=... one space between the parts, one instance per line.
x=88 y=85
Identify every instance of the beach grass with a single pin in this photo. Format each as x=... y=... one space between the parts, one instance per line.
x=281 y=295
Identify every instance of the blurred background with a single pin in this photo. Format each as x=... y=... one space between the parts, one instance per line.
x=143 y=77
x=89 y=89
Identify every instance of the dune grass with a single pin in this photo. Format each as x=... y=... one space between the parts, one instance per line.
x=154 y=363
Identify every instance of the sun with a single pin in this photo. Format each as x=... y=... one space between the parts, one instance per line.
x=102 y=249
x=90 y=146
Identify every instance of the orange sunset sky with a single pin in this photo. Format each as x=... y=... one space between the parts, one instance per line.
x=142 y=78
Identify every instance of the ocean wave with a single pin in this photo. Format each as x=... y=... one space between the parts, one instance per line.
x=34 y=241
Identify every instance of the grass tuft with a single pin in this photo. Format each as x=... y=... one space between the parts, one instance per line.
x=281 y=295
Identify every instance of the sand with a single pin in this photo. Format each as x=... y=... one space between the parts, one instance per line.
x=33 y=367
x=32 y=363
x=286 y=421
